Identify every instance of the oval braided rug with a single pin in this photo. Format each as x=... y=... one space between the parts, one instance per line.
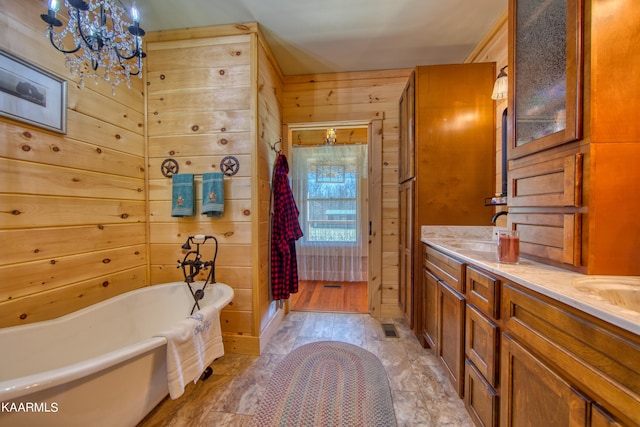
x=327 y=383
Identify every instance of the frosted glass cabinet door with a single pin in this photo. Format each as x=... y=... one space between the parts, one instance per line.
x=545 y=74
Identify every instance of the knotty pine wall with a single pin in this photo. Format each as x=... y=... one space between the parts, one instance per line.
x=73 y=215
x=336 y=97
x=223 y=101
x=80 y=234
x=494 y=48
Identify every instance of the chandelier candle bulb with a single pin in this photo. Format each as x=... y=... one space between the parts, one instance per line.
x=135 y=15
x=54 y=5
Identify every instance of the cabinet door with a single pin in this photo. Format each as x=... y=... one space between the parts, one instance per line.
x=406 y=167
x=450 y=347
x=534 y=395
x=600 y=418
x=545 y=74
x=405 y=294
x=429 y=308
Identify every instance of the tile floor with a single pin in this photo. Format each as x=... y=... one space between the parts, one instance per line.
x=422 y=395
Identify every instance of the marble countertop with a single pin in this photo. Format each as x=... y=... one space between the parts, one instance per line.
x=475 y=245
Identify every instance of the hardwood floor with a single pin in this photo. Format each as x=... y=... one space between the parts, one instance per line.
x=337 y=297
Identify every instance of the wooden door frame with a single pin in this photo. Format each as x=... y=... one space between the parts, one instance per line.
x=374 y=198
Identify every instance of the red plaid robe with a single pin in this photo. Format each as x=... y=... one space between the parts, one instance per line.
x=285 y=230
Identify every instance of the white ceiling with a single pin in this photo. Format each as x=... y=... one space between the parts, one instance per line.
x=321 y=36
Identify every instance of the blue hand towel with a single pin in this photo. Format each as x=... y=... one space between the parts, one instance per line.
x=213 y=194
x=182 y=200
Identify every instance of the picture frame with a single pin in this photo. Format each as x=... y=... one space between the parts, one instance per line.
x=32 y=95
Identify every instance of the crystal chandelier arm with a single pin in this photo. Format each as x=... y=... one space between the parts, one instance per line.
x=135 y=53
x=61 y=49
x=88 y=40
x=139 y=54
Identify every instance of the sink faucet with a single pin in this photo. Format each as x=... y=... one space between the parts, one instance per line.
x=495 y=217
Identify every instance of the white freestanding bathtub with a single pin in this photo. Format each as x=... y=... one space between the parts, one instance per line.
x=99 y=366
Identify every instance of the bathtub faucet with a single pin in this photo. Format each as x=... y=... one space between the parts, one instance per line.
x=192 y=264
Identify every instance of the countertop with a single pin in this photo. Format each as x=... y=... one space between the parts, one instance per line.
x=474 y=245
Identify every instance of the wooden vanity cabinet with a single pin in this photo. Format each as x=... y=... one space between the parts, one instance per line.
x=443 y=294
x=565 y=365
x=518 y=357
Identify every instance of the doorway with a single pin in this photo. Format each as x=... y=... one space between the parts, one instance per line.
x=332 y=186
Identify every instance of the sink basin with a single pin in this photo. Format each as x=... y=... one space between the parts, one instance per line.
x=619 y=291
x=473 y=245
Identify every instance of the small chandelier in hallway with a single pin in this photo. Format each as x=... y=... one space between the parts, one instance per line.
x=330 y=138
x=98 y=41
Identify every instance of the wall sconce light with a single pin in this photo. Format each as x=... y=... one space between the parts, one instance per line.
x=97 y=40
x=330 y=138
x=501 y=85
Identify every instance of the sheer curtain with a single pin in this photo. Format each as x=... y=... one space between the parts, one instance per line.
x=330 y=186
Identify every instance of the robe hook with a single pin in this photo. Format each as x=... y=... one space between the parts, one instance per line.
x=275 y=147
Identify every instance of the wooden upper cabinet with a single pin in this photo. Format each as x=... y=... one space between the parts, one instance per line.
x=545 y=74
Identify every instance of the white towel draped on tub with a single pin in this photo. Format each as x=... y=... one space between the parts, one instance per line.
x=192 y=345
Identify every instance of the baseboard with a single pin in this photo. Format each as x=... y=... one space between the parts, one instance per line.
x=271 y=329
x=249 y=344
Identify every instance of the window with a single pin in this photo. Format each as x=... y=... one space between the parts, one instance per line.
x=331 y=204
x=329 y=184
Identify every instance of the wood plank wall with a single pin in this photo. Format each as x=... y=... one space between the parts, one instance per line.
x=224 y=101
x=269 y=106
x=81 y=234
x=73 y=217
x=340 y=97
x=494 y=48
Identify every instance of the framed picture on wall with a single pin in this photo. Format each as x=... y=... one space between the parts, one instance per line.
x=32 y=95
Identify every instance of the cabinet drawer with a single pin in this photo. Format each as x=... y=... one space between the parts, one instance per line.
x=480 y=398
x=552 y=183
x=448 y=269
x=552 y=236
x=600 y=359
x=483 y=292
x=481 y=344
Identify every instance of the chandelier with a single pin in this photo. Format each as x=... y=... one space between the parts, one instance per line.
x=330 y=137
x=98 y=41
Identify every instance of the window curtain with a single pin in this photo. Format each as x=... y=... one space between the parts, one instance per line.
x=330 y=186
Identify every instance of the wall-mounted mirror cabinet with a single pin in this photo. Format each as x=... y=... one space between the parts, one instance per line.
x=545 y=74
